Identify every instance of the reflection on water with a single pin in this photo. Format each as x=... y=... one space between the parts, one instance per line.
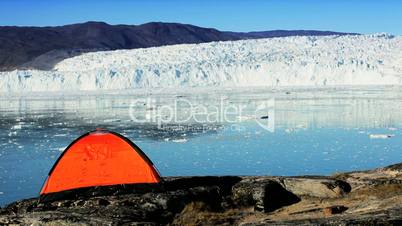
x=315 y=133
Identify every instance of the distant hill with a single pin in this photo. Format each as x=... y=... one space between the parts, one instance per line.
x=43 y=47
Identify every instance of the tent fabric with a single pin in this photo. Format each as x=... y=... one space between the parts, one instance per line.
x=100 y=158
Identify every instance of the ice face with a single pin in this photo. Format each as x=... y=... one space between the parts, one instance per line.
x=277 y=62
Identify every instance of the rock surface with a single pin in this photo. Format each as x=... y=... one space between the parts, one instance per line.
x=356 y=198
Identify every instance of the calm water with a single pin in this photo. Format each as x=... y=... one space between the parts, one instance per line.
x=323 y=132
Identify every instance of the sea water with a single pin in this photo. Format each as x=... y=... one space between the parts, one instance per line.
x=261 y=132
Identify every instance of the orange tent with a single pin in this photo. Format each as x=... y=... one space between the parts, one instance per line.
x=100 y=158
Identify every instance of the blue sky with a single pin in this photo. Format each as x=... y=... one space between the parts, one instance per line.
x=363 y=16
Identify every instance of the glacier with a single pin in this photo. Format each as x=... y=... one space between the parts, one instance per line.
x=309 y=61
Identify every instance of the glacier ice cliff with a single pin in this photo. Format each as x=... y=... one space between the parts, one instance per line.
x=313 y=61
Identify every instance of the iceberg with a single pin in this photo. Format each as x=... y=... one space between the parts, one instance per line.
x=381 y=136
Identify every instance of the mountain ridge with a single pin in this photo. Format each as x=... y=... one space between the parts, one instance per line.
x=29 y=47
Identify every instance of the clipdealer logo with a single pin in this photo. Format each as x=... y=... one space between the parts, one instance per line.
x=184 y=111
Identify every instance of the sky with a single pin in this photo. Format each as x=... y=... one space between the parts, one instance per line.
x=362 y=16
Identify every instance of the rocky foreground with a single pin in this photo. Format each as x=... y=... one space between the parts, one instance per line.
x=358 y=198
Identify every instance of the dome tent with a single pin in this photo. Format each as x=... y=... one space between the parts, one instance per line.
x=99 y=158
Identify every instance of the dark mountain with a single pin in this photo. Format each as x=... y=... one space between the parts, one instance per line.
x=42 y=47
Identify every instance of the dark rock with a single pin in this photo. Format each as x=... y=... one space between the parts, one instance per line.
x=82 y=193
x=103 y=202
x=264 y=195
x=242 y=194
x=309 y=200
x=328 y=211
x=79 y=203
x=224 y=183
x=277 y=197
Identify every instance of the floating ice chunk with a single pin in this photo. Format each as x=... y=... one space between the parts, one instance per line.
x=182 y=140
x=16 y=127
x=392 y=129
x=111 y=120
x=61 y=149
x=381 y=136
x=12 y=133
x=60 y=135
